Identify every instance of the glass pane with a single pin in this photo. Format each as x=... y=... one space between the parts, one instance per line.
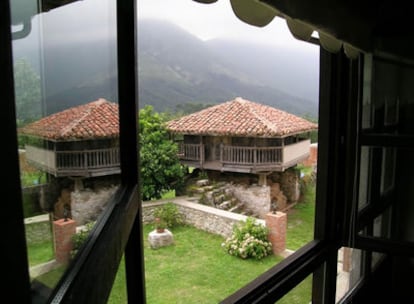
x=388 y=169
x=376 y=258
x=349 y=270
x=364 y=177
x=382 y=229
x=67 y=115
x=187 y=66
x=367 y=108
x=300 y=294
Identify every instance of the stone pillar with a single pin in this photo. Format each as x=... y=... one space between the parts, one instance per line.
x=262 y=179
x=62 y=235
x=277 y=224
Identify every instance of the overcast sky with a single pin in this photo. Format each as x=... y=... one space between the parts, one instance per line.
x=215 y=20
x=206 y=21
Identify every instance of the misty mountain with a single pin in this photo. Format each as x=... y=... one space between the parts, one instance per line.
x=292 y=70
x=176 y=65
x=175 y=68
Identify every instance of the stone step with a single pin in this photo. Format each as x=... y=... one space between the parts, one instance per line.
x=225 y=205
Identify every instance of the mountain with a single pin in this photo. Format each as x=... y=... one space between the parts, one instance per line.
x=174 y=68
x=292 y=70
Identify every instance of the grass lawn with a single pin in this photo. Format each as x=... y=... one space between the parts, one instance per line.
x=301 y=220
x=205 y=275
x=196 y=269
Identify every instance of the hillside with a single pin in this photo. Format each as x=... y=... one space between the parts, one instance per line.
x=174 y=68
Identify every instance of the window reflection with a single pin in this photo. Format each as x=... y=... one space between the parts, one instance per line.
x=67 y=116
x=349 y=270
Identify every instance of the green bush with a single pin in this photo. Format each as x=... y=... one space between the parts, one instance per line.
x=169 y=214
x=79 y=238
x=249 y=240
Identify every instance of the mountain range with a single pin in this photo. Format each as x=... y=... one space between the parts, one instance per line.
x=175 y=68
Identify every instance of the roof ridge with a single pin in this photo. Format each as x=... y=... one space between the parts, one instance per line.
x=266 y=122
x=88 y=110
x=241 y=117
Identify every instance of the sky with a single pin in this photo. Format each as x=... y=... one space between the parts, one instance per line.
x=206 y=21
x=95 y=20
x=217 y=20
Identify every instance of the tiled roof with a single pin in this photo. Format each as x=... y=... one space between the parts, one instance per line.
x=94 y=120
x=240 y=117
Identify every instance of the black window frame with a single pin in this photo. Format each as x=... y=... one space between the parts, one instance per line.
x=119 y=231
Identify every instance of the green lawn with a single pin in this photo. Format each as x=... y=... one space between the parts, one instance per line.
x=205 y=275
x=196 y=269
x=301 y=220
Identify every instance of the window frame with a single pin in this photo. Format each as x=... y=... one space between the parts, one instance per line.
x=119 y=230
x=15 y=253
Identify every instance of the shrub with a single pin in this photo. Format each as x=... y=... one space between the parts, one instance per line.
x=79 y=238
x=169 y=214
x=248 y=240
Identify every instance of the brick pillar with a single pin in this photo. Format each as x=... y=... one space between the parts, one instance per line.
x=346 y=259
x=63 y=232
x=277 y=224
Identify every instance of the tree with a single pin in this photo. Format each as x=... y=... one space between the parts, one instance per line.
x=161 y=170
x=313 y=136
x=28 y=94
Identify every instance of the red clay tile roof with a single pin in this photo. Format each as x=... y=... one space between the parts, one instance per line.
x=94 y=120
x=240 y=117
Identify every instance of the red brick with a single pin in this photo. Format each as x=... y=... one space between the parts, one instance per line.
x=277 y=224
x=62 y=235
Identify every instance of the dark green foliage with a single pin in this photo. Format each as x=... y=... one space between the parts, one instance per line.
x=313 y=135
x=161 y=170
x=78 y=239
x=251 y=227
x=31 y=205
x=169 y=215
x=28 y=97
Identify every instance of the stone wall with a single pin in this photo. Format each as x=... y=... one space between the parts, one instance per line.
x=284 y=188
x=255 y=199
x=86 y=205
x=221 y=222
x=288 y=182
x=203 y=217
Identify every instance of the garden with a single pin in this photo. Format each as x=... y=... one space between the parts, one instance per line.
x=198 y=268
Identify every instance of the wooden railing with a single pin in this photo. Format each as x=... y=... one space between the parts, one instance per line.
x=192 y=152
x=88 y=159
x=248 y=156
x=66 y=163
x=251 y=155
x=234 y=154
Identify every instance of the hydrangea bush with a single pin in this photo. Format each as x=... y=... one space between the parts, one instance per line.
x=248 y=240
